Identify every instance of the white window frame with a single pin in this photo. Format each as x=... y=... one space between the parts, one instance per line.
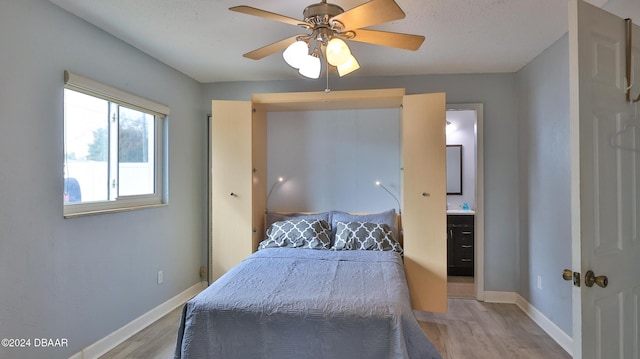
x=125 y=203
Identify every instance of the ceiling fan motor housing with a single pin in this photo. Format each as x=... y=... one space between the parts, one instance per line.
x=321 y=13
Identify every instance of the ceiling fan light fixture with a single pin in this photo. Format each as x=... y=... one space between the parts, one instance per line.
x=295 y=54
x=348 y=66
x=310 y=67
x=337 y=52
x=330 y=27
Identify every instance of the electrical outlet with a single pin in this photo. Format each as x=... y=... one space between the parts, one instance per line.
x=160 y=277
x=539 y=282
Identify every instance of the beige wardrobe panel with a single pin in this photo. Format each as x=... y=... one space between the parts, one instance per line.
x=231 y=185
x=259 y=155
x=424 y=219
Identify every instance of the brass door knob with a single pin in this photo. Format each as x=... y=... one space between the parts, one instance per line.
x=567 y=274
x=590 y=278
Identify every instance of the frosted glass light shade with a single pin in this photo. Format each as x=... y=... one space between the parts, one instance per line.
x=450 y=128
x=337 y=52
x=295 y=54
x=310 y=67
x=349 y=66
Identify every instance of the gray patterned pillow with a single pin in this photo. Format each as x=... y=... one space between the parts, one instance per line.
x=365 y=236
x=388 y=217
x=273 y=217
x=298 y=233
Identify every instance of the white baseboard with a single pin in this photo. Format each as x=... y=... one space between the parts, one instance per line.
x=500 y=297
x=112 y=340
x=557 y=334
x=564 y=340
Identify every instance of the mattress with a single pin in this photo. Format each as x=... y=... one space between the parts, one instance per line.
x=297 y=303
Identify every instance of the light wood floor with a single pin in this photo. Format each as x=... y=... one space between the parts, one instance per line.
x=157 y=341
x=461 y=287
x=480 y=330
x=471 y=329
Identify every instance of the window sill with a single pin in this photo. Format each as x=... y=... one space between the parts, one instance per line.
x=112 y=210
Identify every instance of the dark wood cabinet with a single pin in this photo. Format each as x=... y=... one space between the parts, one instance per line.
x=460 y=243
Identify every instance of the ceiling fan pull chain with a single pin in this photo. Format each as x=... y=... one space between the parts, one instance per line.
x=327 y=90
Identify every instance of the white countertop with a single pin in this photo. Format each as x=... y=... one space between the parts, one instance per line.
x=460 y=211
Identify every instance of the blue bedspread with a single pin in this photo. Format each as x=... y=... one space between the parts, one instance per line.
x=284 y=303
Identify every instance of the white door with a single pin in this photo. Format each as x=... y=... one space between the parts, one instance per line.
x=605 y=184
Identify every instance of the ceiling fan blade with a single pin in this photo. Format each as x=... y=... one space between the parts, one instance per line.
x=265 y=51
x=370 y=13
x=391 y=39
x=268 y=15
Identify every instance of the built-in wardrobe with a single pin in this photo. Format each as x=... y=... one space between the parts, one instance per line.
x=239 y=180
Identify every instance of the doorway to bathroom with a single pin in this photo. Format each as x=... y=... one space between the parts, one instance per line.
x=465 y=201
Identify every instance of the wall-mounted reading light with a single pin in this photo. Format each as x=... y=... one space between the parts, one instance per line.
x=278 y=182
x=391 y=194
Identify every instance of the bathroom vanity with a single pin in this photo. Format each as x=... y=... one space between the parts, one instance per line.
x=460 y=242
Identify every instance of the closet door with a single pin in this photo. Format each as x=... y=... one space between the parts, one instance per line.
x=424 y=200
x=231 y=185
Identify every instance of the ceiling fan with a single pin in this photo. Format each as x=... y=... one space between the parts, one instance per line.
x=330 y=26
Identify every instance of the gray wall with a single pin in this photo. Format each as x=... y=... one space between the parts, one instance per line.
x=83 y=278
x=544 y=182
x=332 y=159
x=498 y=94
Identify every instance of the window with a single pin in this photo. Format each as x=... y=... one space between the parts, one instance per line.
x=113 y=149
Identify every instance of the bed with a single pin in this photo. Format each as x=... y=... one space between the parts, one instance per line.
x=302 y=302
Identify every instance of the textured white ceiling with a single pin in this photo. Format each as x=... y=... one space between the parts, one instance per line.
x=205 y=40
